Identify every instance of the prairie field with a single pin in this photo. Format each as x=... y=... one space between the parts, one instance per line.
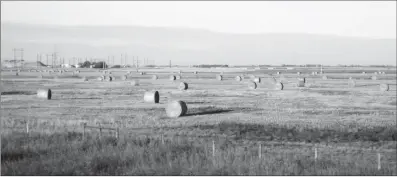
x=323 y=128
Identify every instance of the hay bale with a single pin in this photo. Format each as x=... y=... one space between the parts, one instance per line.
x=384 y=87
x=113 y=78
x=84 y=79
x=40 y=76
x=219 y=77
x=278 y=86
x=135 y=83
x=374 y=78
x=252 y=85
x=151 y=97
x=180 y=72
x=123 y=78
x=350 y=78
x=278 y=73
x=195 y=72
x=183 y=86
x=176 y=109
x=44 y=94
x=351 y=83
x=100 y=78
x=302 y=79
x=172 y=77
x=77 y=71
x=325 y=77
x=142 y=73
x=375 y=73
x=155 y=77
x=178 y=77
x=257 y=80
x=104 y=72
x=17 y=74
x=108 y=78
x=298 y=73
x=238 y=78
x=18 y=70
x=300 y=83
x=109 y=72
x=363 y=73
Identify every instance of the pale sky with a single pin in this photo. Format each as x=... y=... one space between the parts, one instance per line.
x=355 y=18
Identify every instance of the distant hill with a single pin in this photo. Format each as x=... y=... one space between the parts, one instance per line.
x=18 y=63
x=193 y=46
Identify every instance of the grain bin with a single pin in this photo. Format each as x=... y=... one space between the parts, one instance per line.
x=219 y=77
x=183 y=86
x=176 y=109
x=384 y=87
x=44 y=94
x=278 y=86
x=238 y=78
x=252 y=85
x=151 y=97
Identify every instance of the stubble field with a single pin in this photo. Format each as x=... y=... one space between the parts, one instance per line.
x=324 y=128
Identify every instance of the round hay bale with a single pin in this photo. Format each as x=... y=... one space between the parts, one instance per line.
x=172 y=77
x=155 y=77
x=135 y=83
x=142 y=73
x=108 y=78
x=363 y=73
x=238 y=78
x=252 y=85
x=109 y=72
x=278 y=73
x=352 y=83
x=257 y=80
x=195 y=72
x=374 y=78
x=176 y=109
x=325 y=77
x=384 y=87
x=219 y=77
x=151 y=97
x=178 y=77
x=17 y=74
x=40 y=76
x=183 y=86
x=180 y=72
x=100 y=78
x=298 y=73
x=350 y=78
x=84 y=79
x=278 y=86
x=123 y=78
x=18 y=70
x=44 y=93
x=302 y=79
x=300 y=83
x=113 y=78
x=60 y=71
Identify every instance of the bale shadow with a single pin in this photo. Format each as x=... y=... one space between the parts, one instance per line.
x=18 y=93
x=85 y=98
x=206 y=111
x=197 y=102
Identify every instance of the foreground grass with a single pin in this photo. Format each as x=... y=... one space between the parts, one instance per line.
x=68 y=154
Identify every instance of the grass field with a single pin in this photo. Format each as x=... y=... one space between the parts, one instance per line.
x=253 y=132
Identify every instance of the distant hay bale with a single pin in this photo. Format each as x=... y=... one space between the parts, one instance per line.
x=60 y=71
x=278 y=73
x=155 y=77
x=135 y=83
x=302 y=79
x=257 y=80
x=363 y=73
x=195 y=72
x=151 y=97
x=278 y=86
x=40 y=76
x=142 y=73
x=172 y=77
x=252 y=85
x=375 y=73
x=100 y=78
x=123 y=77
x=109 y=72
x=176 y=109
x=17 y=74
x=374 y=77
x=44 y=94
x=352 y=83
x=298 y=73
x=350 y=78
x=180 y=72
x=238 y=78
x=77 y=71
x=108 y=78
x=84 y=79
x=178 y=77
x=183 y=86
x=384 y=87
x=325 y=77
x=18 y=70
x=219 y=77
x=113 y=78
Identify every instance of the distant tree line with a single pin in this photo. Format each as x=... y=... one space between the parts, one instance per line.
x=210 y=66
x=88 y=64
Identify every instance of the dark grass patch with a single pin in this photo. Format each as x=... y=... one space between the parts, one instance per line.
x=206 y=111
x=330 y=92
x=18 y=93
x=300 y=134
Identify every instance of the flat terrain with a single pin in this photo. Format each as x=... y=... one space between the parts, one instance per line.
x=254 y=132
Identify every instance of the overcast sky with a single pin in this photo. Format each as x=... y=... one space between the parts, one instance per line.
x=355 y=18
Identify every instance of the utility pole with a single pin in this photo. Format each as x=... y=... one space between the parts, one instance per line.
x=16 y=56
x=125 y=59
x=170 y=63
x=121 y=60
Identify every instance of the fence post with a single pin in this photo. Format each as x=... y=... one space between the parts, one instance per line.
x=315 y=154
x=100 y=131
x=379 y=167
x=213 y=148
x=117 y=133
x=260 y=151
x=27 y=126
x=162 y=139
x=84 y=124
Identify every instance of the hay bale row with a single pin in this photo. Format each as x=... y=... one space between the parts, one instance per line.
x=183 y=86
